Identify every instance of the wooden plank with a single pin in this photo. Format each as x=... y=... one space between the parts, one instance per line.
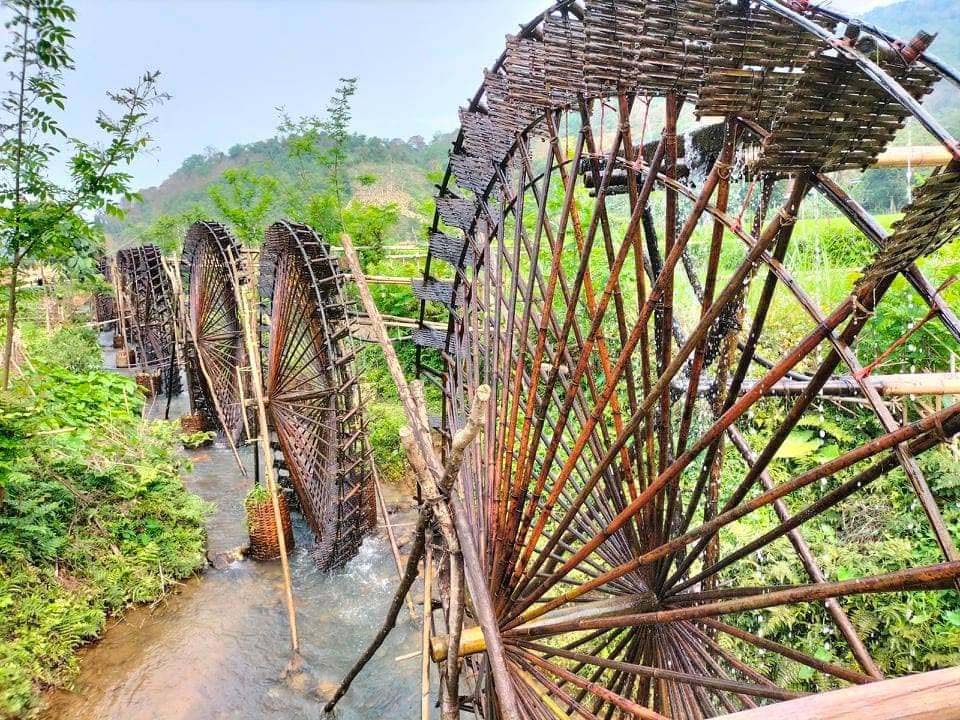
x=927 y=696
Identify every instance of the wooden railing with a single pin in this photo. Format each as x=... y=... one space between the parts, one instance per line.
x=927 y=696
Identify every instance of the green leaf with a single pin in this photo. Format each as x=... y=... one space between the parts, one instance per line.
x=799 y=444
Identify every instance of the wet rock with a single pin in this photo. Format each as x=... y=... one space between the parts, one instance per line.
x=225 y=558
x=325 y=689
x=297 y=682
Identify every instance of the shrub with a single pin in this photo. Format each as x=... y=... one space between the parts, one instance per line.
x=93 y=518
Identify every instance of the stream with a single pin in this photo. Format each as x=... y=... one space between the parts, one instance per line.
x=218 y=646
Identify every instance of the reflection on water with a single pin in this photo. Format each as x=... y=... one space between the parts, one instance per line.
x=218 y=647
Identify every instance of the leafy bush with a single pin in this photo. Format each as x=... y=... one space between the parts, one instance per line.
x=192 y=441
x=257 y=496
x=878 y=530
x=93 y=518
x=385 y=420
x=72 y=347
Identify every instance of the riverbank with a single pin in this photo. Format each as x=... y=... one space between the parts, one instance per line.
x=94 y=516
x=219 y=645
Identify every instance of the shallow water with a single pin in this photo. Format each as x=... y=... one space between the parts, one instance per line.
x=218 y=647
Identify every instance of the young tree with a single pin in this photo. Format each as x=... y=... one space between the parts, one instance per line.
x=314 y=141
x=244 y=200
x=41 y=219
x=167 y=231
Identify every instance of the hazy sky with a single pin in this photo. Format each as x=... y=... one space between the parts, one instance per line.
x=230 y=63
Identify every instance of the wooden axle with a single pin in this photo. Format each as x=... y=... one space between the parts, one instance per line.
x=387 y=280
x=915 y=156
x=471 y=639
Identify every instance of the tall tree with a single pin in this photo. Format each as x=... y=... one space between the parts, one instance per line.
x=313 y=141
x=322 y=143
x=42 y=219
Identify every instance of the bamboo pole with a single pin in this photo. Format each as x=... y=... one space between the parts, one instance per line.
x=386 y=280
x=425 y=634
x=945 y=383
x=479 y=592
x=914 y=156
x=256 y=381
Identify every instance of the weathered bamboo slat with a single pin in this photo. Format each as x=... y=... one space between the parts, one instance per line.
x=932 y=695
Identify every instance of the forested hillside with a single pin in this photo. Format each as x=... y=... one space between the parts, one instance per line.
x=378 y=172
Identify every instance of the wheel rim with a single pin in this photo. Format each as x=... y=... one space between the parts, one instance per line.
x=211 y=269
x=149 y=307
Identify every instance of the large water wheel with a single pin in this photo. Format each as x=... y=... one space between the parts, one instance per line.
x=148 y=313
x=313 y=390
x=638 y=488
x=212 y=270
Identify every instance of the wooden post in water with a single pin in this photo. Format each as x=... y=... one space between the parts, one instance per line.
x=425 y=634
x=450 y=512
x=244 y=309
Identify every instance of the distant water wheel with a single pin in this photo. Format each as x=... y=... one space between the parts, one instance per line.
x=211 y=268
x=614 y=282
x=148 y=320
x=313 y=389
x=104 y=302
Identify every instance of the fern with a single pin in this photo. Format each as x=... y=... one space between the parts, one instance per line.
x=94 y=519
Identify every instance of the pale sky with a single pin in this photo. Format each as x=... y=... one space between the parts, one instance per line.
x=230 y=63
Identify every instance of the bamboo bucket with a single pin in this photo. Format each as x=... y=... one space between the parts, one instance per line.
x=193 y=423
x=125 y=357
x=117 y=341
x=264 y=542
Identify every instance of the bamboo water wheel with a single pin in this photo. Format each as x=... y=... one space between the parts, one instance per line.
x=313 y=389
x=612 y=279
x=211 y=267
x=104 y=302
x=146 y=297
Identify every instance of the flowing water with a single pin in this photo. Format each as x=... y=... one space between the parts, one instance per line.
x=219 y=646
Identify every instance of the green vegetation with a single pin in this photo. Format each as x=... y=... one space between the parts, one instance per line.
x=878 y=530
x=257 y=496
x=295 y=172
x=192 y=441
x=40 y=219
x=93 y=514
